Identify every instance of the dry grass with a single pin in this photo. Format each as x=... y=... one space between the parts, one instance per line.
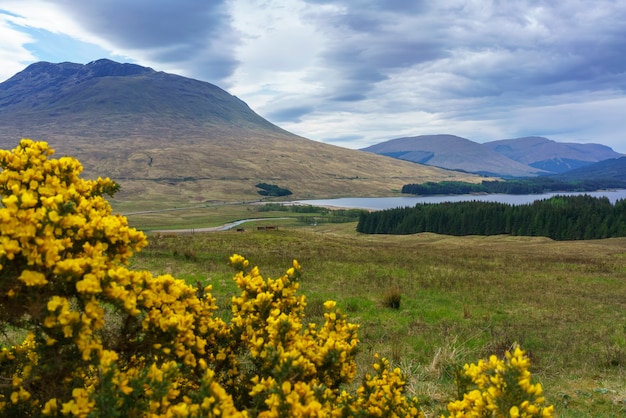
x=179 y=165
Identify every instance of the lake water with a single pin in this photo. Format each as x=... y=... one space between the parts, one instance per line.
x=380 y=203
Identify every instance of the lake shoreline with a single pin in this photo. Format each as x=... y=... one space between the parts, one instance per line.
x=382 y=203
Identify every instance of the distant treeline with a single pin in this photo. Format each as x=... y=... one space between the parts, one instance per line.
x=315 y=214
x=560 y=218
x=534 y=185
x=279 y=207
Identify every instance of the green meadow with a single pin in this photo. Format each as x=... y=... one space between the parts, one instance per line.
x=431 y=303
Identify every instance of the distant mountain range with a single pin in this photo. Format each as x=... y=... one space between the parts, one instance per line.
x=174 y=140
x=519 y=157
x=552 y=156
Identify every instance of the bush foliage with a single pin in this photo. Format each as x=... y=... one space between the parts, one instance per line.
x=84 y=335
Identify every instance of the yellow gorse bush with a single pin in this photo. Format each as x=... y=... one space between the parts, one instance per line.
x=85 y=336
x=500 y=387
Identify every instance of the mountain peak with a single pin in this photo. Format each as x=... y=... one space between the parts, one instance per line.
x=532 y=140
x=46 y=72
x=107 y=68
x=99 y=92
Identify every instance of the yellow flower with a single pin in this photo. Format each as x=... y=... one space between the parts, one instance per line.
x=493 y=394
x=55 y=302
x=239 y=262
x=89 y=284
x=33 y=278
x=50 y=407
x=28 y=199
x=107 y=357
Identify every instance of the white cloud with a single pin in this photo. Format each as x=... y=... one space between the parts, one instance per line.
x=22 y=23
x=13 y=55
x=50 y=17
x=278 y=54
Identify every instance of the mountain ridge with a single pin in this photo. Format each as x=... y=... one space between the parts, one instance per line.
x=549 y=155
x=454 y=153
x=519 y=157
x=611 y=169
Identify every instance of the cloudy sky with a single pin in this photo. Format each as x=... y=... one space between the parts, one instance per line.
x=357 y=72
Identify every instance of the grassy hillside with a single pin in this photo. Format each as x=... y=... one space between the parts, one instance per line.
x=157 y=174
x=462 y=298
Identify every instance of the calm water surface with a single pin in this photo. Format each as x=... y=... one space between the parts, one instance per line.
x=380 y=203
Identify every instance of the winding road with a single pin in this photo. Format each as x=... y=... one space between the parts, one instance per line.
x=224 y=227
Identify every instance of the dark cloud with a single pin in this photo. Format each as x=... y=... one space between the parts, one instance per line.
x=196 y=33
x=343 y=139
x=531 y=48
x=350 y=97
x=402 y=6
x=292 y=114
x=369 y=40
x=528 y=48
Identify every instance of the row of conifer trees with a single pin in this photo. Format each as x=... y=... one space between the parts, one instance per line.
x=560 y=218
x=529 y=185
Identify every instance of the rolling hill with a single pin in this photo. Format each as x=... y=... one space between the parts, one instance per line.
x=174 y=140
x=612 y=169
x=552 y=156
x=454 y=153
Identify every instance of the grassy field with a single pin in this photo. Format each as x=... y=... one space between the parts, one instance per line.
x=461 y=299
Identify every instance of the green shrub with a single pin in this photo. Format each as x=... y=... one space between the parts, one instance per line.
x=392 y=297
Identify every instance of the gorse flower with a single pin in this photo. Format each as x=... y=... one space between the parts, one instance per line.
x=501 y=388
x=121 y=342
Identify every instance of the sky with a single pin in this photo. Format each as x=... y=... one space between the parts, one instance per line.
x=354 y=73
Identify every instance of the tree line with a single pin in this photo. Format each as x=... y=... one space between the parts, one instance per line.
x=314 y=214
x=559 y=218
x=272 y=190
x=534 y=185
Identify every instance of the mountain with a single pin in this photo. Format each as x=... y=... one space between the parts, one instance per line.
x=454 y=153
x=170 y=140
x=105 y=92
x=552 y=156
x=612 y=169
